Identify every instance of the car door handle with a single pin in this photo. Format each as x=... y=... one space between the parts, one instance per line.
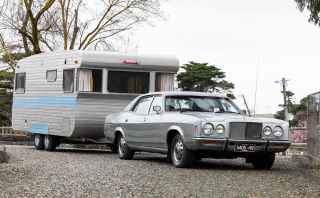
x=126 y=120
x=144 y=119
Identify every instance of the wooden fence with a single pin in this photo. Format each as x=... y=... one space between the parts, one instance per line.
x=8 y=131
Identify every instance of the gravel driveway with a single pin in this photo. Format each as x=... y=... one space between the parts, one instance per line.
x=79 y=173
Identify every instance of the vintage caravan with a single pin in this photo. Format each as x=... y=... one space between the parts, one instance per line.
x=65 y=96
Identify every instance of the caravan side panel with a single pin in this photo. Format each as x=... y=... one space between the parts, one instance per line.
x=92 y=109
x=44 y=108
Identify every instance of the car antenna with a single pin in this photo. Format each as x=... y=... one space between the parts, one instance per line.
x=246 y=104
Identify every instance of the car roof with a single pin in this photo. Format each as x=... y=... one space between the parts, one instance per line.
x=187 y=93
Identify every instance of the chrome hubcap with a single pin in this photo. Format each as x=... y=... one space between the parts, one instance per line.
x=46 y=141
x=37 y=140
x=178 y=151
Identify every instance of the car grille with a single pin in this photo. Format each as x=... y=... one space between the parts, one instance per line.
x=245 y=130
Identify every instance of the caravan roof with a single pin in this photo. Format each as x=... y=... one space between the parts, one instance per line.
x=110 y=59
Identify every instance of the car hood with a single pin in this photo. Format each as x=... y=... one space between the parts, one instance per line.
x=230 y=117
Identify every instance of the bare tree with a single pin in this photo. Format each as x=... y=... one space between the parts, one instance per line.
x=42 y=25
x=28 y=20
x=5 y=50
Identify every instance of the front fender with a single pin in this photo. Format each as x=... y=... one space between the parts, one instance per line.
x=176 y=128
x=118 y=129
x=110 y=132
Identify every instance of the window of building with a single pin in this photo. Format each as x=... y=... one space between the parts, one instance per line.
x=143 y=105
x=20 y=86
x=68 y=80
x=164 y=82
x=90 y=80
x=51 y=75
x=128 y=82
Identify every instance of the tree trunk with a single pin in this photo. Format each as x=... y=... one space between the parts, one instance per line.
x=35 y=36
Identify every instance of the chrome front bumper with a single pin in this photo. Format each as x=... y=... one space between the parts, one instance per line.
x=229 y=145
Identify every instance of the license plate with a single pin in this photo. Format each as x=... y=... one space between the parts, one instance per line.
x=245 y=147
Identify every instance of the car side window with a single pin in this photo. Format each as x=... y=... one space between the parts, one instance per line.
x=172 y=104
x=157 y=101
x=143 y=105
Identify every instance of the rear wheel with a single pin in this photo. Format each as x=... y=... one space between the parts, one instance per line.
x=50 y=143
x=114 y=148
x=181 y=157
x=38 y=141
x=263 y=161
x=123 y=149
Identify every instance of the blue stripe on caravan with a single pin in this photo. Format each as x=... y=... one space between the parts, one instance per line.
x=45 y=101
x=39 y=127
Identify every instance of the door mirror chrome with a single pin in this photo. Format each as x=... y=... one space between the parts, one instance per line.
x=244 y=112
x=156 y=109
x=216 y=110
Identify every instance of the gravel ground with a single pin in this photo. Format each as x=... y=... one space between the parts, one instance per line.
x=88 y=173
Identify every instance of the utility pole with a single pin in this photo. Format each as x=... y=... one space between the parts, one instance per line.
x=283 y=83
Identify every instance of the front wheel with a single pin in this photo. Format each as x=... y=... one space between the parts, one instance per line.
x=264 y=161
x=123 y=149
x=181 y=157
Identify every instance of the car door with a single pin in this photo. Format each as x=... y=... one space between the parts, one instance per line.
x=157 y=126
x=136 y=128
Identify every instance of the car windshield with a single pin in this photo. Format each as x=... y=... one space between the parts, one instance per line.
x=200 y=104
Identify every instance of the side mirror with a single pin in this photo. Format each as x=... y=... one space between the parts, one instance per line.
x=244 y=112
x=216 y=110
x=156 y=109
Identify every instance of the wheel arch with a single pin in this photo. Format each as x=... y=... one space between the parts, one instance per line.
x=117 y=131
x=172 y=132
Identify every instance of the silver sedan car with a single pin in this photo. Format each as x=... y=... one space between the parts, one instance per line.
x=189 y=126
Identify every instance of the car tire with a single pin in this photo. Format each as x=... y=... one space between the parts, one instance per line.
x=181 y=157
x=263 y=162
x=49 y=143
x=38 y=141
x=123 y=149
x=114 y=149
x=197 y=157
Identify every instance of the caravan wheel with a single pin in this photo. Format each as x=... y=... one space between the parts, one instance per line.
x=49 y=143
x=38 y=141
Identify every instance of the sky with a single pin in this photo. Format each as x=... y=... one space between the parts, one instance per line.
x=267 y=39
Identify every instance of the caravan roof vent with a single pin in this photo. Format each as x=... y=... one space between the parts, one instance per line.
x=130 y=62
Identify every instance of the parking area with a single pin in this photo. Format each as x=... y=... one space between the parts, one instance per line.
x=98 y=173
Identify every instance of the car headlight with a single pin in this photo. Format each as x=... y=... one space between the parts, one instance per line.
x=267 y=131
x=277 y=131
x=220 y=129
x=208 y=129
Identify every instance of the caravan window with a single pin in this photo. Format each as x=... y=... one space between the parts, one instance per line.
x=68 y=80
x=20 y=82
x=51 y=75
x=164 y=82
x=90 y=80
x=128 y=82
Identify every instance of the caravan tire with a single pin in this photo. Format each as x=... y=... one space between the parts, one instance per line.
x=38 y=141
x=49 y=143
